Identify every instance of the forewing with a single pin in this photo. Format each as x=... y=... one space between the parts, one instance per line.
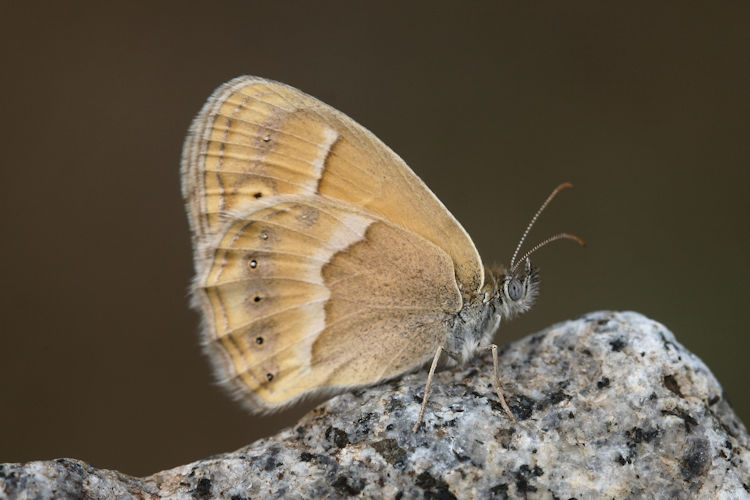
x=302 y=294
x=256 y=138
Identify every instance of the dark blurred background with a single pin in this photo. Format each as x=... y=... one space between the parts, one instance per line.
x=644 y=107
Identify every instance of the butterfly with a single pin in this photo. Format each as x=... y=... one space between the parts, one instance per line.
x=323 y=263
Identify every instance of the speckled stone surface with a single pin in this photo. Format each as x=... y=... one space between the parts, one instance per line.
x=608 y=406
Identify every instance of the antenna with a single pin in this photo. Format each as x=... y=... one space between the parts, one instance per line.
x=559 y=188
x=560 y=236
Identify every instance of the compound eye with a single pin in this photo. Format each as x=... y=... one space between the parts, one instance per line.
x=515 y=289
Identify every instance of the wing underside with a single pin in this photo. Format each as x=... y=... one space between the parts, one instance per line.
x=322 y=261
x=306 y=295
x=257 y=138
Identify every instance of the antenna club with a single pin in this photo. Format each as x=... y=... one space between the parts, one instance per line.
x=574 y=238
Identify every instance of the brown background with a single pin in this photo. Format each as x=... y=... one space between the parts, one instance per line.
x=645 y=108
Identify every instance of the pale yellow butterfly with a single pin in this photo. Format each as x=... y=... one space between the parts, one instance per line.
x=322 y=261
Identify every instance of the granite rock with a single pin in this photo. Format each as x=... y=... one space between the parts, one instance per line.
x=607 y=406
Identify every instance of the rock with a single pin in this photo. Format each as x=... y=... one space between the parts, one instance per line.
x=609 y=405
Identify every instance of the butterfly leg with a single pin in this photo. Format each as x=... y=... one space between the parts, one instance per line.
x=493 y=348
x=428 y=386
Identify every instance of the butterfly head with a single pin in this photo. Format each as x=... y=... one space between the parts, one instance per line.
x=518 y=289
x=519 y=285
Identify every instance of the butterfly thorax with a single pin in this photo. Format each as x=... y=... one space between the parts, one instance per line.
x=504 y=295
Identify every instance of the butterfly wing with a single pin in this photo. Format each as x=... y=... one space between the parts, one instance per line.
x=322 y=260
x=257 y=138
x=305 y=294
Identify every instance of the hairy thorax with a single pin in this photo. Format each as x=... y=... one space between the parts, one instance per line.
x=476 y=323
x=479 y=318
